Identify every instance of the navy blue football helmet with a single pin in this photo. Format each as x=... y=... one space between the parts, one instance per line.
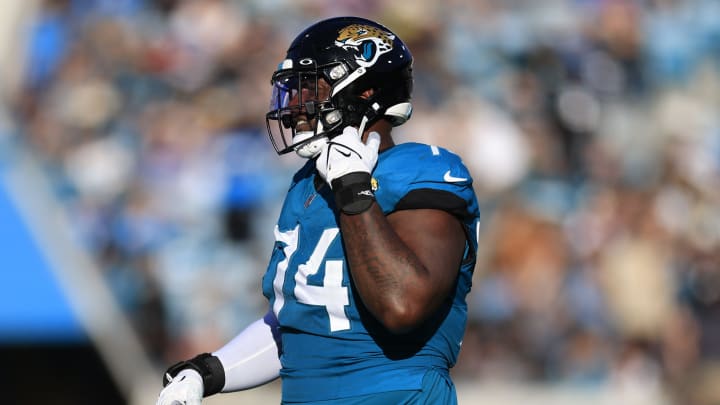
x=322 y=85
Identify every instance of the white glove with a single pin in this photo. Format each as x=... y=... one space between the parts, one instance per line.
x=346 y=153
x=186 y=388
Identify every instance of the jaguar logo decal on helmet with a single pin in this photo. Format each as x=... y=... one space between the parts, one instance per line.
x=367 y=43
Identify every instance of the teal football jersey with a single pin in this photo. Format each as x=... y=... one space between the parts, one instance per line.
x=331 y=346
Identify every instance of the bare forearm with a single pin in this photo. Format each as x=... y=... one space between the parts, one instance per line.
x=390 y=278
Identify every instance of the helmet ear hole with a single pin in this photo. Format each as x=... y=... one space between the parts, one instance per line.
x=331 y=118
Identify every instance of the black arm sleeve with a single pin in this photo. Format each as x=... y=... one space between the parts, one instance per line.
x=428 y=198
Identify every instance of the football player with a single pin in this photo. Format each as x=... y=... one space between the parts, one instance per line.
x=374 y=247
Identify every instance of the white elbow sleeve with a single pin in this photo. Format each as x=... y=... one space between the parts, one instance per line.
x=252 y=358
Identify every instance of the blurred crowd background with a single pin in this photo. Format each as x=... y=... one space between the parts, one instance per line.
x=591 y=127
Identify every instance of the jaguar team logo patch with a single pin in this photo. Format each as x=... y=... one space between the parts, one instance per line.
x=366 y=42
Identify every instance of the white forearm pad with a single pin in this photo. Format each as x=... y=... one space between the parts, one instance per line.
x=252 y=358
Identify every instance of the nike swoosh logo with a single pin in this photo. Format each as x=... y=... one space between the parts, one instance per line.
x=344 y=154
x=452 y=179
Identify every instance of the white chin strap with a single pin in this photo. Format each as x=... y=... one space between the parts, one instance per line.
x=309 y=150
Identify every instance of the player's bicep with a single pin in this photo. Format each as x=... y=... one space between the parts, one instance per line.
x=437 y=239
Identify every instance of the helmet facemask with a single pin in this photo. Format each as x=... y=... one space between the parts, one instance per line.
x=302 y=114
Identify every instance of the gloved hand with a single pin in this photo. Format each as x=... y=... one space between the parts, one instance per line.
x=186 y=388
x=346 y=163
x=346 y=153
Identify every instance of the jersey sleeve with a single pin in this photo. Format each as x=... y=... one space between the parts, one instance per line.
x=418 y=176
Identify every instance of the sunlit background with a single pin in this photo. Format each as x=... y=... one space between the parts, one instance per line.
x=138 y=190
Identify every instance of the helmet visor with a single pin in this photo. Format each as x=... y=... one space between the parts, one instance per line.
x=297 y=98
